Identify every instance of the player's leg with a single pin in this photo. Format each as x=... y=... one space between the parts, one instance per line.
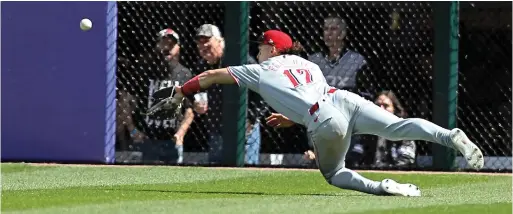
x=331 y=136
x=371 y=119
x=349 y=179
x=330 y=157
x=331 y=141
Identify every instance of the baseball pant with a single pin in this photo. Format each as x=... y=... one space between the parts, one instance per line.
x=342 y=114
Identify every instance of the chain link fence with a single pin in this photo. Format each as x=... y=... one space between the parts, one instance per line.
x=484 y=106
x=393 y=38
x=145 y=67
x=379 y=50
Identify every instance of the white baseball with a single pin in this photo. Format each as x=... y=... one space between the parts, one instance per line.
x=86 y=24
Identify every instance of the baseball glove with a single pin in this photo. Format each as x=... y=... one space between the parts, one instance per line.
x=165 y=105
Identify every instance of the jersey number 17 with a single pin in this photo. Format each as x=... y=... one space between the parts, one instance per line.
x=299 y=76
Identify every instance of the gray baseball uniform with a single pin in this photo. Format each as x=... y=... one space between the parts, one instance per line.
x=296 y=88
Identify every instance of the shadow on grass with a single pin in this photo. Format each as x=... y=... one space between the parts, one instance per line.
x=242 y=193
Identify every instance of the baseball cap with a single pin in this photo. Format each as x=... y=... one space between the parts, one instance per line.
x=170 y=33
x=276 y=38
x=208 y=30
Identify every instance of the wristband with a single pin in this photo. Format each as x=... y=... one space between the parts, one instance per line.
x=192 y=86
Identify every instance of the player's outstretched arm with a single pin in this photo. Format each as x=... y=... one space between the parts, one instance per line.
x=205 y=80
x=217 y=76
x=191 y=87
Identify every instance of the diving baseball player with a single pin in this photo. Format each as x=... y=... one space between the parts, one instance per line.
x=296 y=88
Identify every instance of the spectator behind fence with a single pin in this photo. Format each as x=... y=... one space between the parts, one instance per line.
x=125 y=135
x=125 y=106
x=158 y=69
x=211 y=46
x=341 y=67
x=388 y=153
x=253 y=142
x=393 y=153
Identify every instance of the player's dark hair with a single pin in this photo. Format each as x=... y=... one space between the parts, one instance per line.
x=296 y=49
x=398 y=107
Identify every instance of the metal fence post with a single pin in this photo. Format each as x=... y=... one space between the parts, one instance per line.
x=445 y=79
x=236 y=27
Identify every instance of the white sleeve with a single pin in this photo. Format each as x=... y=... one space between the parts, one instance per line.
x=247 y=75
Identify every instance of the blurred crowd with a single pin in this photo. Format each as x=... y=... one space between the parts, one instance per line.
x=386 y=61
x=161 y=139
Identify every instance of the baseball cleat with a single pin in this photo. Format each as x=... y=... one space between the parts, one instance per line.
x=394 y=188
x=470 y=151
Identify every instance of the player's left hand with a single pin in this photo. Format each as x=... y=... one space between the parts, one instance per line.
x=278 y=121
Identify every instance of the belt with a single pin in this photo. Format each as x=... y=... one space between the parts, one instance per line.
x=315 y=107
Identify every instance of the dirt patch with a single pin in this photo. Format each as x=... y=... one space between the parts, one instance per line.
x=271 y=169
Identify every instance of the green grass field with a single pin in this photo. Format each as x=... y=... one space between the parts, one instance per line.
x=96 y=189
